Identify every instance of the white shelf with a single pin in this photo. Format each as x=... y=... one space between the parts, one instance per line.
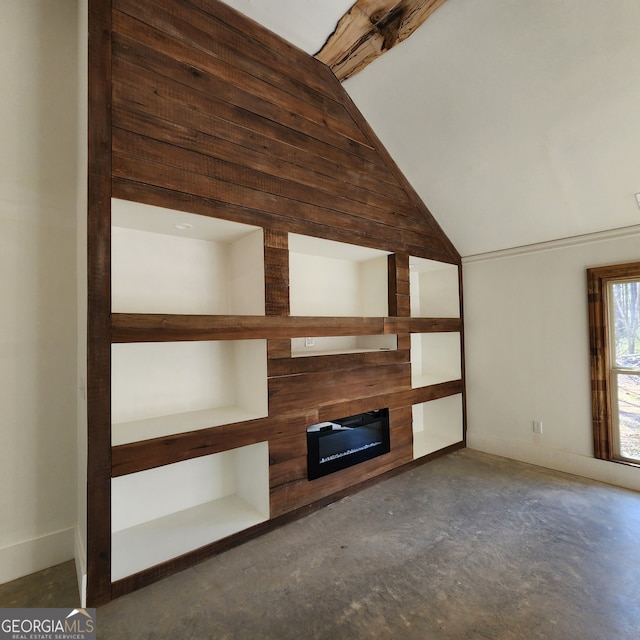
x=163 y=513
x=328 y=278
x=163 y=388
x=434 y=289
x=437 y=424
x=338 y=345
x=166 y=261
x=435 y=358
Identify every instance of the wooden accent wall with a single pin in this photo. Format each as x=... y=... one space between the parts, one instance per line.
x=214 y=115
x=196 y=108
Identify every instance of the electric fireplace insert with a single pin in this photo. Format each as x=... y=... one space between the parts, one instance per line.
x=341 y=443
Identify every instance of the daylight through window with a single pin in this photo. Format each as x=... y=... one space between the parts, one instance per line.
x=624 y=314
x=614 y=324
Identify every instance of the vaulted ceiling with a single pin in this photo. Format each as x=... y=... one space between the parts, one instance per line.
x=516 y=121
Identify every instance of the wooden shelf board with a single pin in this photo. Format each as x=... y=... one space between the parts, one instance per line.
x=166 y=425
x=140 y=327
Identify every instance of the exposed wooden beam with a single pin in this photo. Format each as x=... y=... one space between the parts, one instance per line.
x=370 y=28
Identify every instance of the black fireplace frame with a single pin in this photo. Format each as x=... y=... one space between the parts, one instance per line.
x=351 y=431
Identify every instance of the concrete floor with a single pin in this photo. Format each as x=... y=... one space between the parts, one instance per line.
x=467 y=547
x=54 y=587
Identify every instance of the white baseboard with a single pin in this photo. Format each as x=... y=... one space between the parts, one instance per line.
x=23 y=558
x=81 y=566
x=620 y=475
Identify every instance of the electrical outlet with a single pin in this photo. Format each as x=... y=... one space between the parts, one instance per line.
x=537 y=426
x=309 y=342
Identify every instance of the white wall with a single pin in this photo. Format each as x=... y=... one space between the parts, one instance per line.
x=37 y=284
x=527 y=352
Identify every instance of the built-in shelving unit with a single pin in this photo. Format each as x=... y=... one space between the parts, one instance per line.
x=164 y=388
x=167 y=261
x=303 y=347
x=328 y=278
x=256 y=264
x=162 y=513
x=437 y=424
x=435 y=358
x=434 y=293
x=171 y=262
x=434 y=289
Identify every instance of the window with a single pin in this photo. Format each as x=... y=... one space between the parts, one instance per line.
x=614 y=326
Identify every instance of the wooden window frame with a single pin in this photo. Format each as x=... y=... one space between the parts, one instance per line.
x=598 y=279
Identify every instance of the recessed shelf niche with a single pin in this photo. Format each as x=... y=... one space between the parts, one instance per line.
x=328 y=278
x=163 y=388
x=161 y=513
x=437 y=424
x=334 y=345
x=435 y=358
x=166 y=261
x=434 y=289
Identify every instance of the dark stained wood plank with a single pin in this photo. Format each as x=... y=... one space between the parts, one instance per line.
x=291 y=469
x=277 y=303
x=141 y=327
x=230 y=178
x=401 y=427
x=156 y=172
x=352 y=407
x=309 y=364
x=435 y=391
x=278 y=258
x=99 y=307
x=247 y=171
x=397 y=414
x=276 y=239
x=293 y=446
x=157 y=108
x=138 y=456
x=277 y=349
x=262 y=157
x=422 y=325
x=163 y=197
x=401 y=398
x=276 y=272
x=141 y=93
x=187 y=23
x=300 y=62
x=398 y=287
x=277 y=267
x=291 y=393
x=296 y=491
x=201 y=71
x=392 y=286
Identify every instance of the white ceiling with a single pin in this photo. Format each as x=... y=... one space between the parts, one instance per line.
x=516 y=121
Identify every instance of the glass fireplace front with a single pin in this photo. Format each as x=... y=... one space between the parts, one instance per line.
x=343 y=442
